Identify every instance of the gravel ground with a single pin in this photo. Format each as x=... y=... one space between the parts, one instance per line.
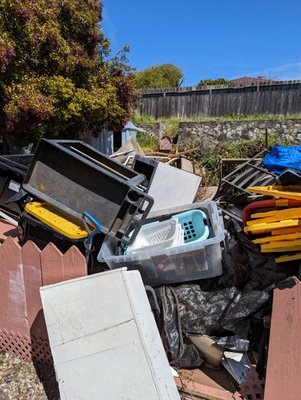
x=26 y=381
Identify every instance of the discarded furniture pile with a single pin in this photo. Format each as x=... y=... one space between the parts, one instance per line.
x=169 y=281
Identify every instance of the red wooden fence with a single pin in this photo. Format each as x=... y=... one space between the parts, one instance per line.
x=23 y=270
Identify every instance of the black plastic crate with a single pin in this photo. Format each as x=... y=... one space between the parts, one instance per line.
x=12 y=175
x=74 y=177
x=21 y=159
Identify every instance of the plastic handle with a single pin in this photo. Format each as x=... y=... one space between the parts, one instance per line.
x=92 y=226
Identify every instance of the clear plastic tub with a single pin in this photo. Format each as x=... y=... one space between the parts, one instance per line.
x=184 y=263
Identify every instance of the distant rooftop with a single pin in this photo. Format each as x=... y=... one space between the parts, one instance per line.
x=249 y=79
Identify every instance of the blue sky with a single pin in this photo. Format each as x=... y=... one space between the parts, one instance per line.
x=209 y=39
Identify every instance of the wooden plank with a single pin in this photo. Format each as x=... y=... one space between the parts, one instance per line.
x=284 y=357
x=51 y=265
x=202 y=391
x=31 y=263
x=57 y=267
x=12 y=304
x=6 y=230
x=74 y=264
x=31 y=260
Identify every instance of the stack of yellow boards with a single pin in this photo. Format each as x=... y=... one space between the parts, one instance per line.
x=276 y=224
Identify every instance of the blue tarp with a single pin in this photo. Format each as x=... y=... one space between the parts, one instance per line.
x=283 y=157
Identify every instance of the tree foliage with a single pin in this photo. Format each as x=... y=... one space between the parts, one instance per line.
x=56 y=74
x=159 y=76
x=212 y=82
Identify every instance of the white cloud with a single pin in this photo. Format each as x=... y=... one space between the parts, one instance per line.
x=282 y=72
x=108 y=27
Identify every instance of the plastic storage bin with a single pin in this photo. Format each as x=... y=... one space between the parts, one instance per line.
x=56 y=220
x=31 y=228
x=191 y=261
x=74 y=177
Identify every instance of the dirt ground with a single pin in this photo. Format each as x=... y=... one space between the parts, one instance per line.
x=26 y=381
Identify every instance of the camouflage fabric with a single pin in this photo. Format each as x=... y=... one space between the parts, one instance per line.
x=187 y=310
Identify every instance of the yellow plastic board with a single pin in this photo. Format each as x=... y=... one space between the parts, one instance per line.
x=50 y=216
x=287 y=192
x=277 y=238
x=269 y=219
x=283 y=244
x=286 y=231
x=267 y=227
x=281 y=250
x=288 y=257
x=280 y=214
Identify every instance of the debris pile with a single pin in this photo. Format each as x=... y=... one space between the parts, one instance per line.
x=209 y=268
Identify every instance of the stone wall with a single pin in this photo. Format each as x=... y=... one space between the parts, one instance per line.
x=192 y=134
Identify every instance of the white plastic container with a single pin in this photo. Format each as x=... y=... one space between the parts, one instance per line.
x=184 y=263
x=155 y=236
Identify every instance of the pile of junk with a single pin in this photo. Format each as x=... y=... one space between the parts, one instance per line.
x=209 y=267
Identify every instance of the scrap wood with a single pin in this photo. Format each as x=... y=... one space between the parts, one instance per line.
x=188 y=383
x=173 y=155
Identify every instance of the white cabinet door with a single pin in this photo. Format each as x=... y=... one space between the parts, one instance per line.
x=104 y=339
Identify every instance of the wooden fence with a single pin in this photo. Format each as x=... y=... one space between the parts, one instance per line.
x=279 y=98
x=23 y=270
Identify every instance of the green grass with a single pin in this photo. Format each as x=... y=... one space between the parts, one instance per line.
x=259 y=117
x=147 y=142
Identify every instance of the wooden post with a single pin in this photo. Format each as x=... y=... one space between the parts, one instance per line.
x=283 y=378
